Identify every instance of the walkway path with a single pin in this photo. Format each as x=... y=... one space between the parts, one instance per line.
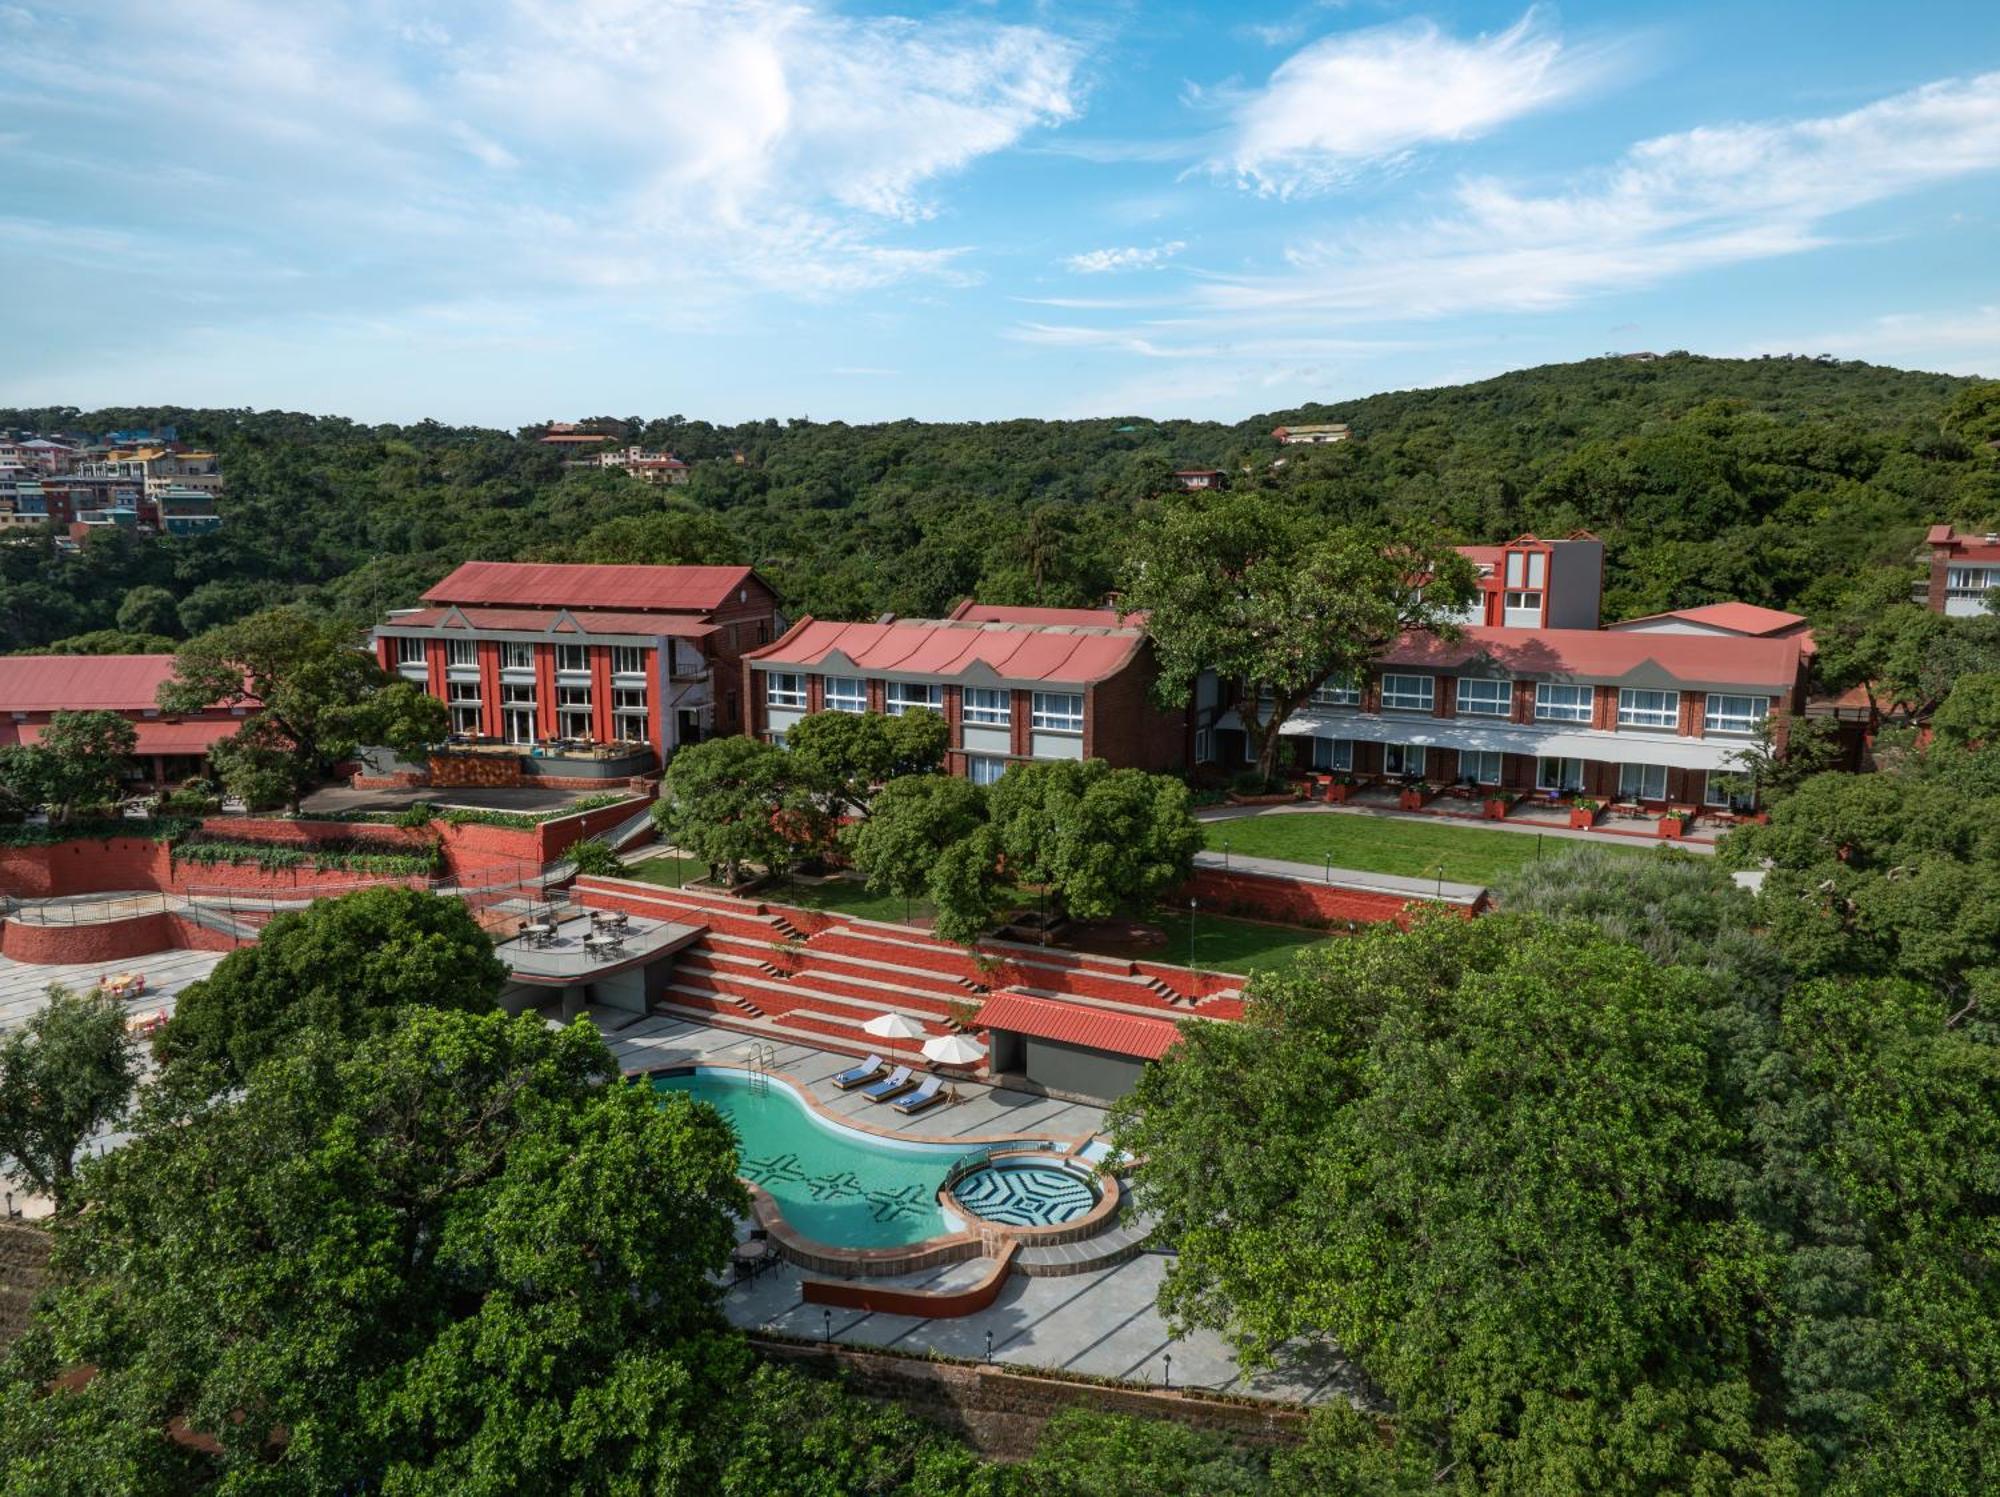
x=1387 y=813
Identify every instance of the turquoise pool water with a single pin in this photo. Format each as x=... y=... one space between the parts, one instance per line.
x=1025 y=1194
x=841 y=1188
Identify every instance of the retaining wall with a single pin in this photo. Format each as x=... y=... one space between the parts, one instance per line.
x=1298 y=901
x=125 y=939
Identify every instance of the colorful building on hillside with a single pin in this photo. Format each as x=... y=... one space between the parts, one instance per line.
x=1312 y=434
x=1964 y=569
x=1012 y=684
x=576 y=669
x=1530 y=583
x=171 y=746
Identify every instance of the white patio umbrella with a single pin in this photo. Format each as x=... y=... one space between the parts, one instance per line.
x=954 y=1050
x=895 y=1027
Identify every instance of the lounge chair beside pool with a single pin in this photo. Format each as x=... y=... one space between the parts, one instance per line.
x=928 y=1095
x=869 y=1070
x=894 y=1084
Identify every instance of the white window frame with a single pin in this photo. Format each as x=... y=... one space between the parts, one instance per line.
x=516 y=656
x=631 y=718
x=785 y=690
x=573 y=659
x=1571 y=710
x=1475 y=699
x=1204 y=745
x=1408 y=760
x=1713 y=794
x=461 y=653
x=410 y=651
x=1658 y=709
x=838 y=698
x=1336 y=692
x=1522 y=609
x=1970 y=582
x=899 y=697
x=1057 y=712
x=516 y=703
x=1563 y=775
x=1332 y=755
x=988 y=707
x=1406 y=698
x=984 y=769
x=1477 y=759
x=1642 y=782
x=628 y=660
x=1723 y=720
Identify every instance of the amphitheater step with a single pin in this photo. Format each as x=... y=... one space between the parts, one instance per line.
x=857 y=1045
x=1116 y=1244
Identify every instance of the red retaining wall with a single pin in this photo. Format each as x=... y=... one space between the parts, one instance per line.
x=853 y=1294
x=108 y=940
x=1296 y=901
x=128 y=864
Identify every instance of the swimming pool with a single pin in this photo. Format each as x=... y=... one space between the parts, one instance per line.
x=833 y=1184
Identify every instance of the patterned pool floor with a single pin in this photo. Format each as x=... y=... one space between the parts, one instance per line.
x=1033 y=1195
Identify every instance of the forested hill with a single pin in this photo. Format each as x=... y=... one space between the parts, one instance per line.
x=1780 y=481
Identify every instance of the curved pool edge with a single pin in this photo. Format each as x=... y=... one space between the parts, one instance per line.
x=1110 y=1191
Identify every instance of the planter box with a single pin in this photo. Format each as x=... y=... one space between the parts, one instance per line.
x=1582 y=820
x=1337 y=793
x=1412 y=800
x=1672 y=827
x=1495 y=808
x=1278 y=799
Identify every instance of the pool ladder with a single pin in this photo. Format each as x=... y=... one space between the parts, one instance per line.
x=763 y=1061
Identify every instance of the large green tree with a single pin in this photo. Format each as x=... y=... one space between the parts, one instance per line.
x=727 y=802
x=1269 y=595
x=347 y=965
x=314 y=696
x=844 y=756
x=65 y=1074
x=1100 y=839
x=80 y=760
x=457 y=1256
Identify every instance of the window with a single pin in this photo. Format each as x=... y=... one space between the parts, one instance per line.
x=1523 y=610
x=1716 y=793
x=1407 y=693
x=1970 y=582
x=845 y=693
x=1403 y=759
x=628 y=660
x=517 y=657
x=1642 y=782
x=1204 y=745
x=912 y=696
x=1478 y=768
x=463 y=697
x=517 y=696
x=629 y=718
x=1342 y=692
x=785 y=689
x=1485 y=698
x=573 y=714
x=988 y=707
x=1728 y=714
x=1648 y=709
x=409 y=652
x=1527 y=568
x=461 y=652
x=1559 y=774
x=984 y=769
x=572 y=658
x=517 y=713
x=1332 y=754
x=1562 y=704
x=1058 y=712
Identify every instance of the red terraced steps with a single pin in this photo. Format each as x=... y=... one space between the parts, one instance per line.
x=802 y=1029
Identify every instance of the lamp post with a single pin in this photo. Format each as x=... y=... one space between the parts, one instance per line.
x=989 y=1346
x=1193 y=905
x=1168 y=1380
x=1329 y=869
x=827 y=1320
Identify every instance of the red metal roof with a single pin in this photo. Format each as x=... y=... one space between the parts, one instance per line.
x=1000 y=613
x=542 y=620
x=1068 y=653
x=1967 y=547
x=528 y=584
x=1610 y=654
x=82 y=683
x=1737 y=618
x=1078 y=1024
x=187 y=737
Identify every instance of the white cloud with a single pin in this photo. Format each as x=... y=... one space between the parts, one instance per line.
x=1966 y=341
x=1363 y=98
x=1132 y=257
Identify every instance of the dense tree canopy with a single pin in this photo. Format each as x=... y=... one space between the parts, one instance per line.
x=80 y=761
x=64 y=1074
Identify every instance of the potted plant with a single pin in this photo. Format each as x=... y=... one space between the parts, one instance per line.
x=1414 y=795
x=1497 y=804
x=1341 y=787
x=1674 y=821
x=1583 y=813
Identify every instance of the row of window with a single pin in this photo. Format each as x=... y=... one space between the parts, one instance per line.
x=1554 y=702
x=1970 y=582
x=574 y=708
x=626 y=660
x=982 y=707
x=1635 y=781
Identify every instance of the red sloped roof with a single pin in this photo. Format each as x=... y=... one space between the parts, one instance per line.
x=531 y=584
x=1067 y=653
x=1738 y=618
x=1610 y=654
x=1001 y=613
x=82 y=683
x=540 y=620
x=1078 y=1024
x=187 y=737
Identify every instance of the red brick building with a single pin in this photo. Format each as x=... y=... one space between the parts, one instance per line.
x=171 y=747
x=1964 y=568
x=551 y=659
x=1012 y=684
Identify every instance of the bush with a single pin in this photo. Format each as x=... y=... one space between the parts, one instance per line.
x=414 y=818
x=1250 y=782
x=325 y=858
x=594 y=855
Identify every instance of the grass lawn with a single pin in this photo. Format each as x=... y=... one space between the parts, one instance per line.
x=1222 y=944
x=1380 y=844
x=840 y=896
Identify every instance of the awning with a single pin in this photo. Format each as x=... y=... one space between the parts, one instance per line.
x=162 y=737
x=1078 y=1024
x=1457 y=733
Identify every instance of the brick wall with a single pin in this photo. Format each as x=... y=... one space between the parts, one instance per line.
x=474 y=771
x=1292 y=901
x=1123 y=725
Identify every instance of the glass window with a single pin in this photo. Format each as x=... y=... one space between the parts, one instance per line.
x=1523 y=610
x=1485 y=698
x=463 y=691
x=1339 y=692
x=1642 y=782
x=1648 y=709
x=984 y=769
x=1403 y=759
x=628 y=660
x=1727 y=714
x=1715 y=793
x=1969 y=582
x=912 y=696
x=1562 y=704
x=573 y=696
x=1332 y=754
x=1478 y=767
x=629 y=718
x=1204 y=745
x=518 y=657
x=518 y=696
x=1408 y=693
x=461 y=652
x=1058 y=712
x=1559 y=774
x=845 y=693
x=409 y=651
x=784 y=689
x=572 y=658
x=988 y=707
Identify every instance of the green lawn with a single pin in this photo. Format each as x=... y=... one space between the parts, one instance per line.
x=1222 y=944
x=1380 y=844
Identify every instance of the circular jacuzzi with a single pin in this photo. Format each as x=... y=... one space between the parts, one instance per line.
x=1026 y=1193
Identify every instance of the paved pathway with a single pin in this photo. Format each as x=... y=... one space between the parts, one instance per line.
x=1515 y=825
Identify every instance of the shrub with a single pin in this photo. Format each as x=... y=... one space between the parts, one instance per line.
x=594 y=855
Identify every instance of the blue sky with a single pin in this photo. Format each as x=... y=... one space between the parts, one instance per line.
x=499 y=211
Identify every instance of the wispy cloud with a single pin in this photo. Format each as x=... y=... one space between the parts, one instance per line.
x=1359 y=99
x=1130 y=257
x=1961 y=341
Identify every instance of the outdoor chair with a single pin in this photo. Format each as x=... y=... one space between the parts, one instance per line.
x=869 y=1070
x=894 y=1084
x=928 y=1095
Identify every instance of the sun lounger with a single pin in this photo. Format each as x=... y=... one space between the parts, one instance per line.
x=869 y=1070
x=894 y=1084
x=928 y=1095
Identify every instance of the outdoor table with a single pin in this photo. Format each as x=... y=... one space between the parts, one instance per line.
x=751 y=1257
